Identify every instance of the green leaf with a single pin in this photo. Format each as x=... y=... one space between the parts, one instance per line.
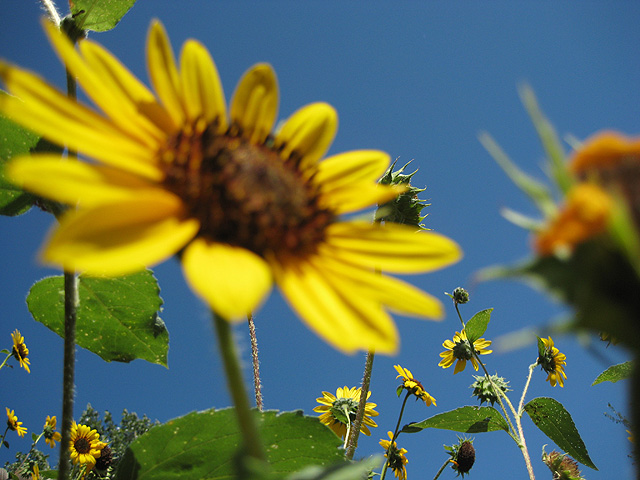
x=477 y=325
x=117 y=317
x=552 y=418
x=99 y=15
x=464 y=419
x=344 y=471
x=14 y=140
x=615 y=373
x=205 y=445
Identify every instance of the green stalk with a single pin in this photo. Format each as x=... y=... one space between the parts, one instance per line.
x=444 y=465
x=395 y=435
x=255 y=361
x=246 y=419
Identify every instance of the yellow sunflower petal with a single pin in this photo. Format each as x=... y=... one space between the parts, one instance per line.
x=232 y=280
x=347 y=323
x=119 y=108
x=120 y=79
x=344 y=169
x=460 y=364
x=164 y=73
x=70 y=181
x=399 y=296
x=121 y=237
x=43 y=109
x=201 y=87
x=358 y=196
x=308 y=133
x=392 y=247
x=254 y=104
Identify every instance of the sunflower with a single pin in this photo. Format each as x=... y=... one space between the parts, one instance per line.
x=396 y=458
x=340 y=409
x=14 y=424
x=20 y=350
x=174 y=173
x=85 y=445
x=460 y=350
x=413 y=386
x=50 y=435
x=552 y=362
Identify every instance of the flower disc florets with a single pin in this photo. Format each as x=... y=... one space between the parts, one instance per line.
x=463 y=455
x=244 y=194
x=483 y=390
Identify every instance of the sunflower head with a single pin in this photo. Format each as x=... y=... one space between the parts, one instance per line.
x=180 y=172
x=561 y=465
x=396 y=457
x=551 y=361
x=406 y=208
x=412 y=386
x=85 y=445
x=339 y=410
x=463 y=455
x=49 y=430
x=20 y=350
x=13 y=424
x=460 y=351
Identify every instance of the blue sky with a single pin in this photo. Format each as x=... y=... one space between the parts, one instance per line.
x=420 y=81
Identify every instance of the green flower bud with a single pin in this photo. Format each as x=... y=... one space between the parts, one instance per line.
x=406 y=208
x=483 y=390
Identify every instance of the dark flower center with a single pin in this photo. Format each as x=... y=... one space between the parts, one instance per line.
x=82 y=445
x=244 y=194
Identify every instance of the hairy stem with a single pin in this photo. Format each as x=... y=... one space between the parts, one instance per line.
x=352 y=443
x=255 y=361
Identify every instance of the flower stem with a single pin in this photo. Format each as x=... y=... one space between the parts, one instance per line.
x=4 y=435
x=255 y=361
x=70 y=316
x=246 y=420
x=444 y=465
x=5 y=360
x=352 y=443
x=395 y=435
x=52 y=13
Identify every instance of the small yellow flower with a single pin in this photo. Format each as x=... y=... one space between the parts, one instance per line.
x=340 y=409
x=413 y=386
x=460 y=349
x=50 y=435
x=36 y=472
x=586 y=214
x=552 y=362
x=85 y=445
x=14 y=424
x=20 y=350
x=177 y=171
x=395 y=457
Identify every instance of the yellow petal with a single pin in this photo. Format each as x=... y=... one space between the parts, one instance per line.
x=232 y=280
x=308 y=133
x=120 y=79
x=399 y=296
x=164 y=73
x=358 y=196
x=347 y=168
x=201 y=87
x=52 y=114
x=71 y=181
x=121 y=237
x=122 y=111
x=348 y=322
x=255 y=103
x=391 y=247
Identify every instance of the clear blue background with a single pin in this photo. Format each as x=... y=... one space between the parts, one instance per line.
x=420 y=81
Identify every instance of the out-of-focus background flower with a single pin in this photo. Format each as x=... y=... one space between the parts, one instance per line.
x=419 y=81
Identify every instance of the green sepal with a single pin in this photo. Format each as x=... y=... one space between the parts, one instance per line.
x=399 y=390
x=615 y=373
x=555 y=422
x=5 y=351
x=477 y=325
x=406 y=208
x=464 y=419
x=117 y=318
x=541 y=347
x=209 y=445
